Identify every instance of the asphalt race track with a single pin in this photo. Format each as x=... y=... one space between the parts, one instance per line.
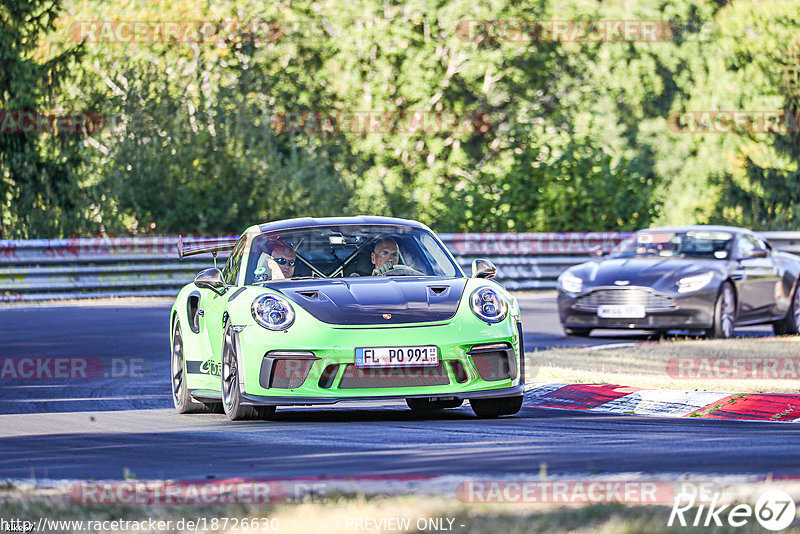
x=123 y=418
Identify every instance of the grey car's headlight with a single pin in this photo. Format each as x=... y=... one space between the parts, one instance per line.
x=694 y=283
x=488 y=305
x=273 y=312
x=570 y=283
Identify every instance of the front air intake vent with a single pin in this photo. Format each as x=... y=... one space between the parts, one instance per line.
x=494 y=362
x=328 y=376
x=459 y=372
x=285 y=369
x=393 y=377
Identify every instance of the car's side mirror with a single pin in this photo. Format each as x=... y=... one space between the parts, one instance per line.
x=211 y=279
x=483 y=268
x=758 y=253
x=598 y=253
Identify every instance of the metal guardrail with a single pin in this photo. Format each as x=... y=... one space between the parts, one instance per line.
x=32 y=270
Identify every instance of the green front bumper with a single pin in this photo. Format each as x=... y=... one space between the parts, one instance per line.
x=318 y=349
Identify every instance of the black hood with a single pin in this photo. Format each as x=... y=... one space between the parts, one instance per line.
x=368 y=300
x=649 y=271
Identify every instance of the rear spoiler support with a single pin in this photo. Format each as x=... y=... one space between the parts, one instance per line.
x=204 y=245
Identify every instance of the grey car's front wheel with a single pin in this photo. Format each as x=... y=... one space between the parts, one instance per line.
x=581 y=332
x=790 y=325
x=232 y=401
x=490 y=408
x=724 y=313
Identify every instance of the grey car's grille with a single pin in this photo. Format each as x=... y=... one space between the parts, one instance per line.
x=625 y=297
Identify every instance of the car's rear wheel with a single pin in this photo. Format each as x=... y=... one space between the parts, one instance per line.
x=724 y=313
x=181 y=398
x=232 y=401
x=427 y=406
x=790 y=325
x=496 y=407
x=581 y=332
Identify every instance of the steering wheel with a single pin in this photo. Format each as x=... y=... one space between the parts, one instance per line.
x=401 y=270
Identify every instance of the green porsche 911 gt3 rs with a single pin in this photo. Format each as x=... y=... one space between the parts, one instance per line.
x=317 y=311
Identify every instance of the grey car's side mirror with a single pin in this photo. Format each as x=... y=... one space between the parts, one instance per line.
x=483 y=268
x=758 y=253
x=211 y=279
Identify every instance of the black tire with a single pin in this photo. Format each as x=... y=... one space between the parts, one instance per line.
x=215 y=407
x=581 y=332
x=425 y=406
x=490 y=408
x=181 y=398
x=724 y=313
x=659 y=334
x=790 y=325
x=232 y=401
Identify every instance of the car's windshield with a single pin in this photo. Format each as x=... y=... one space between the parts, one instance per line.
x=347 y=251
x=686 y=244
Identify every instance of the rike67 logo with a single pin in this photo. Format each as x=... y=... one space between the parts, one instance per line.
x=774 y=510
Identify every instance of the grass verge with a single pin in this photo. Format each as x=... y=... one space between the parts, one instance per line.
x=653 y=365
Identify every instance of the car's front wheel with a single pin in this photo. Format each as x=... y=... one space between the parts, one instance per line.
x=724 y=313
x=181 y=398
x=790 y=325
x=581 y=332
x=496 y=407
x=232 y=401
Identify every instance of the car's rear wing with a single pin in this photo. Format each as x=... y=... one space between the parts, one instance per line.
x=191 y=246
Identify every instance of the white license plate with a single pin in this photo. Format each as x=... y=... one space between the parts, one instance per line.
x=397 y=356
x=621 y=312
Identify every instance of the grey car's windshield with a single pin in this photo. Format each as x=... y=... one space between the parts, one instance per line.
x=684 y=244
x=347 y=251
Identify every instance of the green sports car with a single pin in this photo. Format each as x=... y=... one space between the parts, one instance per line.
x=317 y=311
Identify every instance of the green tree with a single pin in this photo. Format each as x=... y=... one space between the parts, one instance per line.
x=40 y=188
x=761 y=183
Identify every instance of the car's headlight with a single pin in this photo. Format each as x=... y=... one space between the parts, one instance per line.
x=570 y=283
x=488 y=305
x=273 y=312
x=693 y=283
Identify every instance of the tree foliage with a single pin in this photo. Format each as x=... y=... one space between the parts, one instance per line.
x=571 y=136
x=40 y=187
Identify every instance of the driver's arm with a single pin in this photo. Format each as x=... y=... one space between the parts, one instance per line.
x=267 y=269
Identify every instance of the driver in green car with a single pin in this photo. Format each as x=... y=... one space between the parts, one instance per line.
x=386 y=258
x=277 y=265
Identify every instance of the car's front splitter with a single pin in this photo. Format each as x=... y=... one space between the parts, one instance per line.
x=256 y=400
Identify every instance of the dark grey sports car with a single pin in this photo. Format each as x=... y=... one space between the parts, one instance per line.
x=706 y=278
